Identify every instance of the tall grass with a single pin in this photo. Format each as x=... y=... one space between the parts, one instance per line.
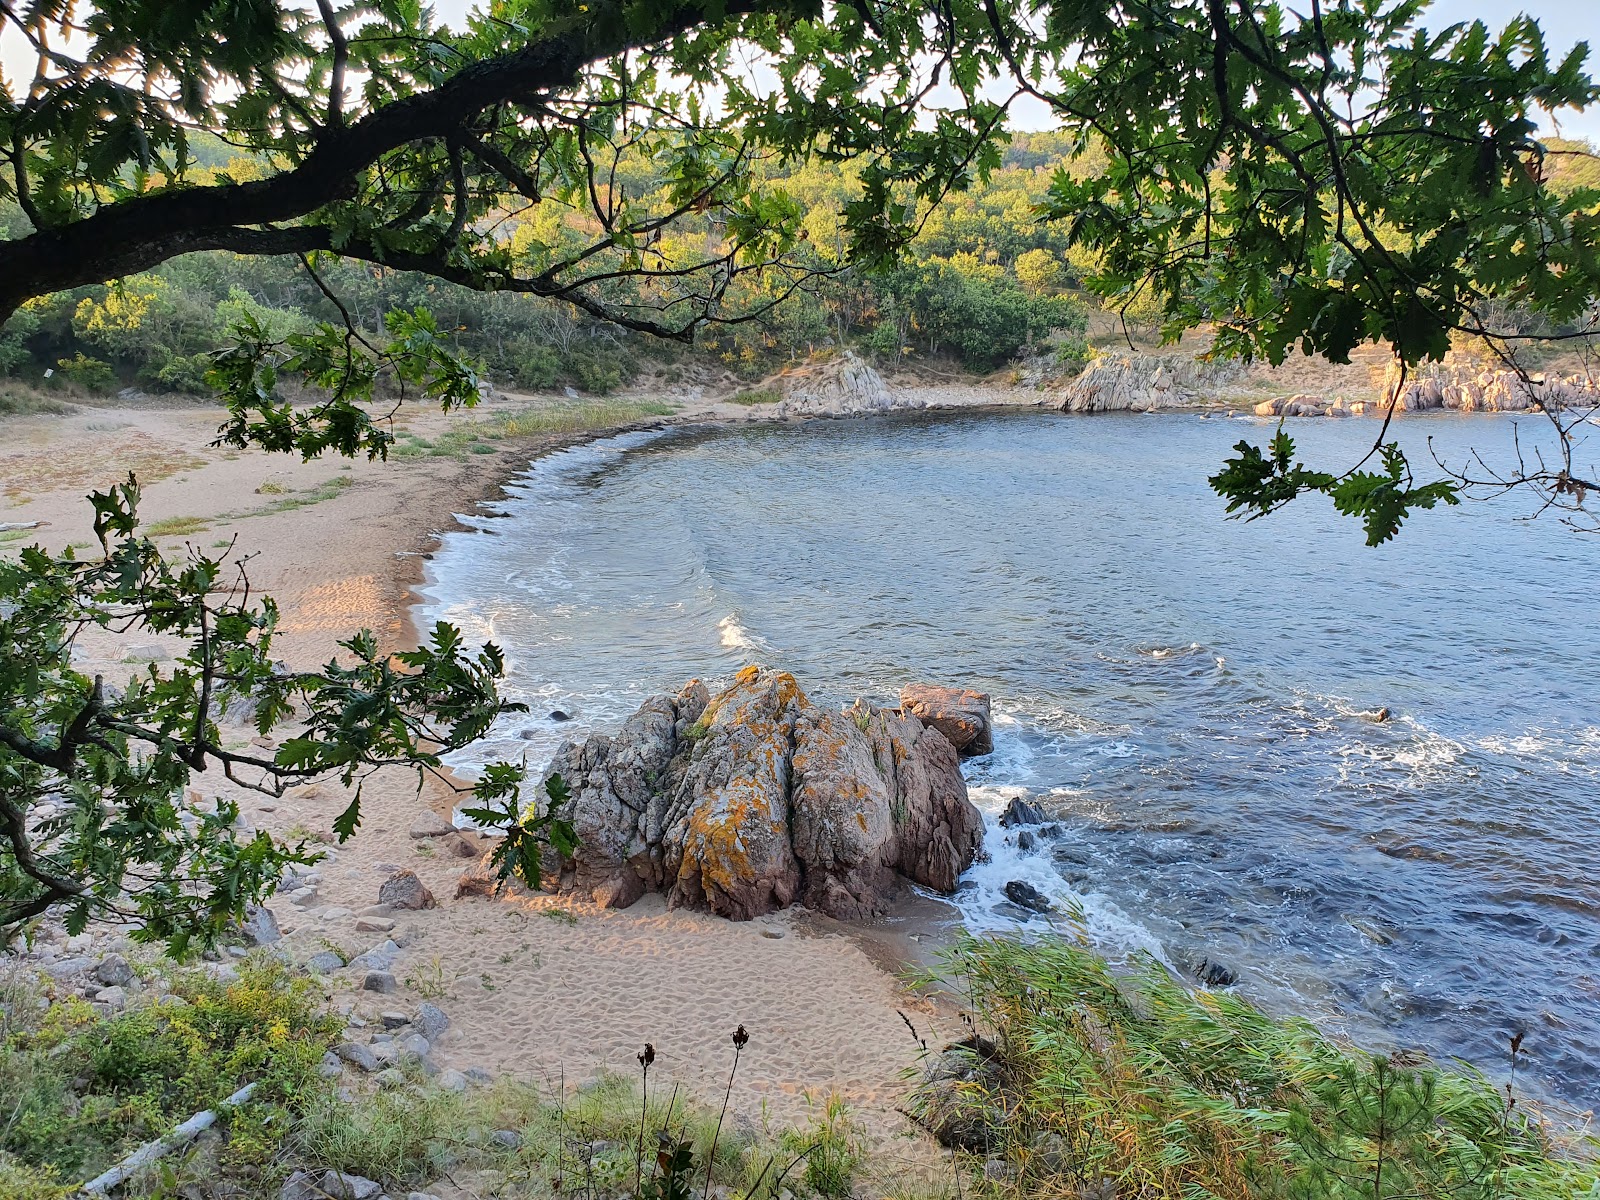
x=1132 y=1084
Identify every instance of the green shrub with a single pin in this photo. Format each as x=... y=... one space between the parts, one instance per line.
x=1165 y=1092
x=82 y=1090
x=91 y=374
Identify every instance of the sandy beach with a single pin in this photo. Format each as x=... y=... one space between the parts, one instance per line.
x=540 y=987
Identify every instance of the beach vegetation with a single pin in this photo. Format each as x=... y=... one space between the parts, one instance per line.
x=1083 y=1079
x=176 y=526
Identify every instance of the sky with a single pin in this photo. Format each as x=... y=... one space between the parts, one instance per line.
x=1565 y=23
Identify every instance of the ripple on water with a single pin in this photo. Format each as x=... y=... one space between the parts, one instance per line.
x=1194 y=699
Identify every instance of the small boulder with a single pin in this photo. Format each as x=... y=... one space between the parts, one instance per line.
x=508 y=1139
x=1214 y=974
x=382 y=982
x=374 y=925
x=415 y=1045
x=302 y=1185
x=114 y=998
x=451 y=1080
x=963 y=716
x=1025 y=839
x=323 y=962
x=358 y=1055
x=393 y=1019
x=404 y=890
x=1020 y=812
x=1028 y=896
x=337 y=1185
x=558 y=715
x=431 y=825
x=260 y=927
x=113 y=971
x=431 y=1021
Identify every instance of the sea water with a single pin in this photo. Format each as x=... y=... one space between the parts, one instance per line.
x=1189 y=697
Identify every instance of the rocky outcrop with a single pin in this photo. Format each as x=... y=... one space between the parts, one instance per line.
x=758 y=798
x=1144 y=383
x=1457 y=387
x=841 y=385
x=963 y=716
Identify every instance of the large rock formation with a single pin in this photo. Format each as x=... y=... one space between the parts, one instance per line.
x=1454 y=386
x=841 y=385
x=1144 y=383
x=757 y=799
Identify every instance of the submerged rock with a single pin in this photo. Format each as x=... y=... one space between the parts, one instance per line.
x=757 y=799
x=1214 y=974
x=1019 y=812
x=1028 y=896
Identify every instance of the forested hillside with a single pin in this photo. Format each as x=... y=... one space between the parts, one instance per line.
x=988 y=279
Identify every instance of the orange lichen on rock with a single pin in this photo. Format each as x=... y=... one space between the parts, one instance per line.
x=750 y=800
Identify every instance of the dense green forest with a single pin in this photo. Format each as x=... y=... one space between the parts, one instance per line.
x=988 y=279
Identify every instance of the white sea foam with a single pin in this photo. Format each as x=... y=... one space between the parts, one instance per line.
x=985 y=909
x=734 y=636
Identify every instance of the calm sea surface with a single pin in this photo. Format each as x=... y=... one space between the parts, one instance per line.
x=1184 y=692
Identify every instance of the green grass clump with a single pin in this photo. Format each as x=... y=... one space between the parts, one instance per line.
x=753 y=396
x=21 y=401
x=82 y=1090
x=1134 y=1085
x=177 y=526
x=554 y=417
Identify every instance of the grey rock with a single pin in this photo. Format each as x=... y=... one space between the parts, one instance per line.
x=340 y=1186
x=114 y=997
x=303 y=897
x=404 y=890
x=1025 y=839
x=358 y=1055
x=415 y=1045
x=1214 y=974
x=431 y=825
x=1020 y=812
x=452 y=1081
x=394 y=1020
x=478 y=1075
x=68 y=968
x=374 y=925
x=1028 y=896
x=329 y=1070
x=144 y=652
x=431 y=1020
x=260 y=927
x=113 y=971
x=324 y=962
x=391 y=1077
x=379 y=981
x=510 y=1139
x=376 y=910
x=421 y=1196
x=302 y=1185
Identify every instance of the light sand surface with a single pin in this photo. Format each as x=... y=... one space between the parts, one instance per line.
x=536 y=986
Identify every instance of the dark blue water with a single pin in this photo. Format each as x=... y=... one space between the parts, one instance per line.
x=1185 y=692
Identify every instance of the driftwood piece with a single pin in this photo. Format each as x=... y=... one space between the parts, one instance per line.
x=150 y=1151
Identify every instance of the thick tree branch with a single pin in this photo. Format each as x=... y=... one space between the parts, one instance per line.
x=132 y=235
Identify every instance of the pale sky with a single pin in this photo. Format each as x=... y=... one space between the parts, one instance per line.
x=1565 y=23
